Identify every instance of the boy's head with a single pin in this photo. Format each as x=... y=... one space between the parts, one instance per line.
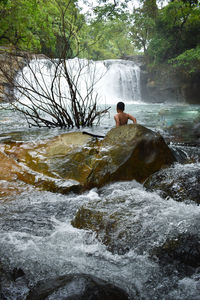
x=120 y=106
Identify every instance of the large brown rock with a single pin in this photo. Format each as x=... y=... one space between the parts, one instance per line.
x=47 y=157
x=129 y=152
x=16 y=177
x=9 y=177
x=126 y=153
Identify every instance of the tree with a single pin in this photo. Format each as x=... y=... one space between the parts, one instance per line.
x=17 y=20
x=143 y=20
x=177 y=30
x=188 y=62
x=109 y=27
x=36 y=25
x=112 y=40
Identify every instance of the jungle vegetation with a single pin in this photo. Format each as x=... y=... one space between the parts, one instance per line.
x=164 y=31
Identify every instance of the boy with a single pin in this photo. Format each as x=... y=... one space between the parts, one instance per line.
x=121 y=118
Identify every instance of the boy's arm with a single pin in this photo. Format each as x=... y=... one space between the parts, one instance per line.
x=117 y=120
x=132 y=118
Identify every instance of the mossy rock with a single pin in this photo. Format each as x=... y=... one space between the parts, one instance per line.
x=10 y=183
x=180 y=182
x=113 y=223
x=40 y=157
x=77 y=164
x=126 y=153
x=105 y=225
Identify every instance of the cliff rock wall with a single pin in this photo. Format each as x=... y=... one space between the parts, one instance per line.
x=164 y=84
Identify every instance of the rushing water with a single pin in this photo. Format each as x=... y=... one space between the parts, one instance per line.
x=36 y=232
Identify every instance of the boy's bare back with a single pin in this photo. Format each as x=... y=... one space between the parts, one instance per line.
x=121 y=118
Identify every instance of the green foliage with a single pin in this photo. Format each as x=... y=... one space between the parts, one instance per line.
x=177 y=30
x=41 y=26
x=56 y=26
x=109 y=10
x=188 y=61
x=143 y=24
x=150 y=9
x=112 y=40
x=16 y=25
x=3 y=2
x=107 y=34
x=141 y=30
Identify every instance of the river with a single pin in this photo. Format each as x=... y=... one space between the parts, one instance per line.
x=36 y=232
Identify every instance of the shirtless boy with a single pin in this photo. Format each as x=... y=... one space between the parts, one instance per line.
x=121 y=118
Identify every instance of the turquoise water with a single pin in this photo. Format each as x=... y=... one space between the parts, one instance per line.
x=168 y=119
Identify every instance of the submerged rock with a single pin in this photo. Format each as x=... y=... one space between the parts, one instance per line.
x=184 y=248
x=181 y=182
x=76 y=287
x=110 y=228
x=113 y=217
x=12 y=282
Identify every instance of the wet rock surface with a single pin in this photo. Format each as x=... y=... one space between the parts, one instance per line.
x=180 y=183
x=75 y=162
x=76 y=287
x=109 y=228
x=114 y=219
x=184 y=249
x=69 y=287
x=129 y=152
x=16 y=178
x=11 y=282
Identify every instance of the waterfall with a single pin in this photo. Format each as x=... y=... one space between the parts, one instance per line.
x=110 y=80
x=121 y=81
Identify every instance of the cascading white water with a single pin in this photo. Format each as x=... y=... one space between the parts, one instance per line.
x=110 y=80
x=121 y=81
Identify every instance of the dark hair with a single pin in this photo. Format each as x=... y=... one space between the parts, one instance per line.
x=121 y=106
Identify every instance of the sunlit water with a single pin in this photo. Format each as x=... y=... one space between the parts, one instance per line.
x=36 y=232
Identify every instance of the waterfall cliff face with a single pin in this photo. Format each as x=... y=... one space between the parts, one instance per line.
x=110 y=80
